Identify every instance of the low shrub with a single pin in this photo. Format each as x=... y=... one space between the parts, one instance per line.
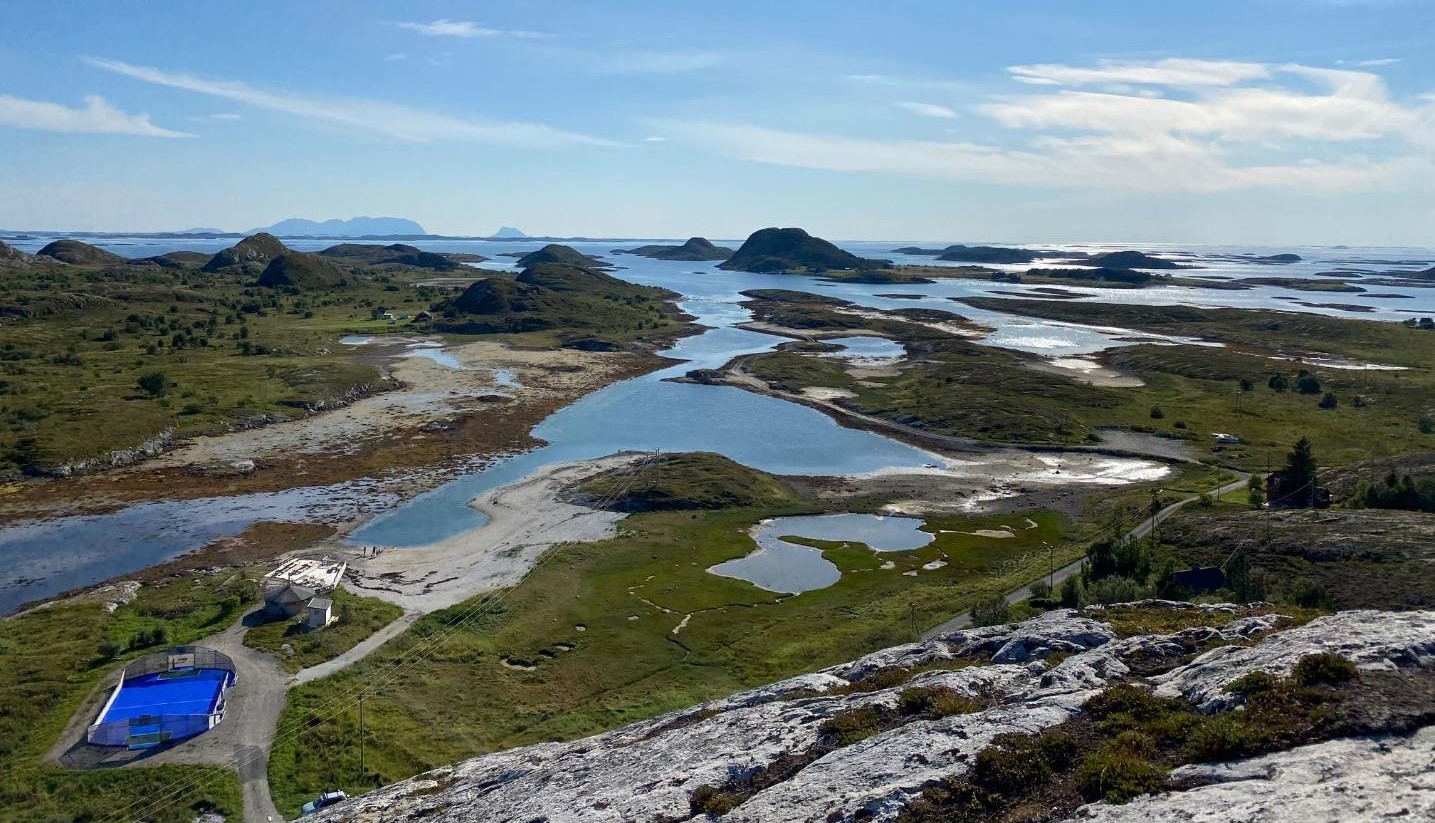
x=852 y=725
x=1222 y=737
x=709 y=800
x=1116 y=776
x=1323 y=668
x=1008 y=772
x=887 y=678
x=935 y=701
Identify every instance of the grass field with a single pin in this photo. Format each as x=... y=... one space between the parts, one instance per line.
x=529 y=672
x=212 y=350
x=51 y=660
x=357 y=618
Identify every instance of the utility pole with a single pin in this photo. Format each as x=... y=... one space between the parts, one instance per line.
x=362 y=770
x=1050 y=566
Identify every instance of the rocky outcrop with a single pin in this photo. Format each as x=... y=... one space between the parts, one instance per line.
x=76 y=253
x=696 y=248
x=11 y=257
x=249 y=255
x=1381 y=778
x=649 y=771
x=783 y=250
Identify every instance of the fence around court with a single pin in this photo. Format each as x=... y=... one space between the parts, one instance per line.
x=154 y=729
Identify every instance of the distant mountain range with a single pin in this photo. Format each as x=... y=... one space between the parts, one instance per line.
x=353 y=227
x=509 y=232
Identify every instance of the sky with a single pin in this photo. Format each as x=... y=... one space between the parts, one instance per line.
x=1259 y=122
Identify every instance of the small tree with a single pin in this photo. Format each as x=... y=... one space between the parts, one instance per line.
x=1329 y=401
x=1256 y=491
x=1278 y=383
x=154 y=384
x=1157 y=413
x=1072 y=592
x=1247 y=384
x=1307 y=383
x=991 y=612
x=1040 y=590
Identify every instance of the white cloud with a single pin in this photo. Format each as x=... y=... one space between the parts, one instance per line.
x=1169 y=72
x=468 y=28
x=1355 y=106
x=653 y=138
x=1168 y=164
x=226 y=115
x=395 y=57
x=1225 y=126
x=658 y=62
x=1376 y=63
x=97 y=117
x=926 y=109
x=394 y=120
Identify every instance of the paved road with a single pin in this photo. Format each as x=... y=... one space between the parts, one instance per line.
x=1142 y=529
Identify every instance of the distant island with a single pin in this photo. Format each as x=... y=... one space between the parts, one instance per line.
x=353 y=227
x=508 y=233
x=988 y=254
x=696 y=248
x=558 y=253
x=794 y=250
x=1130 y=260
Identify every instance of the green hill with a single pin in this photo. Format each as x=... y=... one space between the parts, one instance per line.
x=395 y=254
x=784 y=250
x=588 y=308
x=678 y=482
x=558 y=253
x=79 y=254
x=305 y=272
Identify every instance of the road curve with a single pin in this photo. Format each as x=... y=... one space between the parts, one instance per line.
x=1142 y=529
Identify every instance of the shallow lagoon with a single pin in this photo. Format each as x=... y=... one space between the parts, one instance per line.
x=780 y=566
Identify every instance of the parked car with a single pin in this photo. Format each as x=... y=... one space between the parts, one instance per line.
x=323 y=801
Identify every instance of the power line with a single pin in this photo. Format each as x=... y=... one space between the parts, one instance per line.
x=378 y=679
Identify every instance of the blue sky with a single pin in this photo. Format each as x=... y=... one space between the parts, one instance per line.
x=1259 y=121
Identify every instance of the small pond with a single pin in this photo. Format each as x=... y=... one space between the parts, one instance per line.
x=780 y=566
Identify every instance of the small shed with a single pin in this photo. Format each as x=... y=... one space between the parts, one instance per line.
x=286 y=599
x=321 y=612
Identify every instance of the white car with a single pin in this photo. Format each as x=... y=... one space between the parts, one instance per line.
x=323 y=801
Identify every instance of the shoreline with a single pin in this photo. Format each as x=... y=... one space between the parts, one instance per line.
x=405 y=454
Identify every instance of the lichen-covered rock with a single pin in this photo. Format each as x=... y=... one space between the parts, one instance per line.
x=1370 y=639
x=649 y=771
x=1340 y=781
x=875 y=779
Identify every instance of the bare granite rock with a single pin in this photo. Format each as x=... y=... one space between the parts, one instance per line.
x=1370 y=639
x=649 y=771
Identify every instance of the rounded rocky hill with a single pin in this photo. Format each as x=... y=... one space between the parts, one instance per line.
x=695 y=249
x=779 y=250
x=79 y=254
x=251 y=253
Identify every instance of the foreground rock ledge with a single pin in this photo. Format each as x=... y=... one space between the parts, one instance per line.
x=648 y=771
